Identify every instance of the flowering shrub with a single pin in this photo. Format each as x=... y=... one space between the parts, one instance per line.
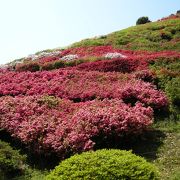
x=80 y=86
x=173 y=16
x=63 y=126
x=114 y=55
x=67 y=110
x=69 y=57
x=94 y=51
x=42 y=55
x=117 y=65
x=3 y=67
x=144 y=75
x=95 y=58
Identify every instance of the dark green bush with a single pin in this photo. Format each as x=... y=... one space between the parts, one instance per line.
x=104 y=164
x=166 y=35
x=143 y=20
x=178 y=12
x=59 y=64
x=11 y=162
x=154 y=36
x=30 y=66
x=47 y=66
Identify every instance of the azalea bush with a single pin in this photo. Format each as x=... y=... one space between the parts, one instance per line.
x=96 y=57
x=114 y=55
x=117 y=64
x=145 y=75
x=81 y=86
x=51 y=124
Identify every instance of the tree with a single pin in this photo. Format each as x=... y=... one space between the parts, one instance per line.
x=143 y=20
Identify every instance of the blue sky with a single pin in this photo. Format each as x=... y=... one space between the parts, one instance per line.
x=28 y=26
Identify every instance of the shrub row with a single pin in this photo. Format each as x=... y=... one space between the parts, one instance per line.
x=50 y=125
x=82 y=86
x=88 y=57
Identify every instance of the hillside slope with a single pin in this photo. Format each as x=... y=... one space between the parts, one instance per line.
x=116 y=91
x=155 y=36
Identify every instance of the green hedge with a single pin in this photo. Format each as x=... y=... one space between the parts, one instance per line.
x=11 y=161
x=104 y=164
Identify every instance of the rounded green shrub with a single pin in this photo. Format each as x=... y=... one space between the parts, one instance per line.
x=104 y=164
x=11 y=161
x=142 y=20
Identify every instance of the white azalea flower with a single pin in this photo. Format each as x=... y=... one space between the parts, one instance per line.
x=70 y=57
x=114 y=55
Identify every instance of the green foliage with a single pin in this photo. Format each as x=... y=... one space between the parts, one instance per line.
x=46 y=51
x=50 y=101
x=168 y=79
x=104 y=164
x=173 y=90
x=35 y=66
x=11 y=161
x=59 y=64
x=143 y=20
x=154 y=36
x=29 y=66
x=32 y=174
x=47 y=66
x=176 y=176
x=166 y=35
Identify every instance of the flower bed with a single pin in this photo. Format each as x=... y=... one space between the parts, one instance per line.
x=100 y=58
x=50 y=125
x=81 y=86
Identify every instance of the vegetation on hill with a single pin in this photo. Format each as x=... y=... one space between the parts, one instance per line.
x=154 y=36
x=98 y=93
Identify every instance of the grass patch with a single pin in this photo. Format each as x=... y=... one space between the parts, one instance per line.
x=168 y=160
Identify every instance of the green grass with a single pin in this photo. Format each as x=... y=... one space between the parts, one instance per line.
x=155 y=36
x=161 y=146
x=168 y=157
